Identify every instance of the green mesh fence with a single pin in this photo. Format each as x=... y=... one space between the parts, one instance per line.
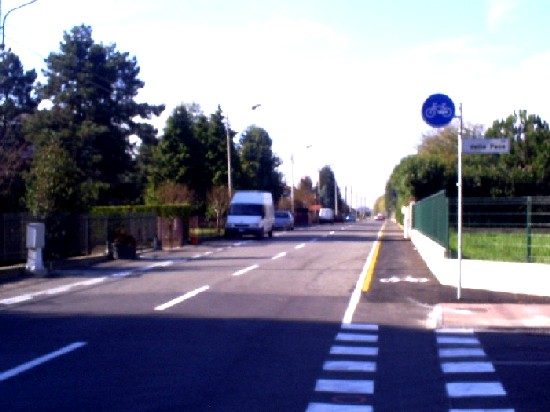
x=431 y=218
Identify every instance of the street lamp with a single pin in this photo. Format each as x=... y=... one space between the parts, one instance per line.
x=228 y=136
x=4 y=21
x=292 y=177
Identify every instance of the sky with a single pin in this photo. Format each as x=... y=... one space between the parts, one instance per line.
x=340 y=82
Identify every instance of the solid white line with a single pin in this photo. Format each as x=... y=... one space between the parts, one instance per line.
x=39 y=361
x=356 y=295
x=345 y=386
x=467 y=367
x=90 y=282
x=245 y=270
x=470 y=389
x=280 y=255
x=182 y=298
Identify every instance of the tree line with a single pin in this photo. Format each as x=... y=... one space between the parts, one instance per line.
x=524 y=171
x=80 y=138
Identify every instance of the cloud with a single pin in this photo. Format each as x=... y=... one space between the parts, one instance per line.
x=498 y=12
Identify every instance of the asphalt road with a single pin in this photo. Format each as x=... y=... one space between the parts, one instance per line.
x=258 y=326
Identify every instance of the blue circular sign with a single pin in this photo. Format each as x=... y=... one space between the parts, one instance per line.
x=438 y=110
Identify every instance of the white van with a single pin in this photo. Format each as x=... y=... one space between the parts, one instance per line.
x=326 y=215
x=250 y=213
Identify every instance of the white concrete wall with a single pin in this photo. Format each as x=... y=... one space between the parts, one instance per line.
x=524 y=278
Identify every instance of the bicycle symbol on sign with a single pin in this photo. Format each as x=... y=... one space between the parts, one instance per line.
x=438 y=110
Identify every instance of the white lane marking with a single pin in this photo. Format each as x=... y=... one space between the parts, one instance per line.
x=360 y=326
x=39 y=361
x=470 y=389
x=345 y=386
x=278 y=256
x=456 y=340
x=89 y=282
x=51 y=291
x=455 y=331
x=461 y=353
x=245 y=270
x=182 y=298
x=300 y=246
x=328 y=407
x=467 y=367
x=354 y=350
x=356 y=295
x=350 y=366
x=356 y=337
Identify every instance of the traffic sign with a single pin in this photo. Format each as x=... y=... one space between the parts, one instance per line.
x=486 y=146
x=438 y=110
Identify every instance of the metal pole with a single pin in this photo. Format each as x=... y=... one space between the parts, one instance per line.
x=4 y=20
x=335 y=196
x=292 y=186
x=229 y=186
x=459 y=223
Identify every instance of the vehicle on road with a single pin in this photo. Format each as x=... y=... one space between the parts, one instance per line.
x=326 y=215
x=250 y=213
x=380 y=216
x=350 y=218
x=283 y=220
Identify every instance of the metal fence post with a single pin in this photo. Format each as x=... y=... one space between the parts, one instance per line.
x=528 y=228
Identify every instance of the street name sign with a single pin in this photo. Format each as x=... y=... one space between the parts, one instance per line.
x=486 y=146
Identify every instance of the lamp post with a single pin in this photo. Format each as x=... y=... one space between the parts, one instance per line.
x=228 y=137
x=4 y=20
x=292 y=177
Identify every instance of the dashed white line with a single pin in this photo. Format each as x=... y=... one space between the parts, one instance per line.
x=39 y=361
x=182 y=298
x=300 y=246
x=245 y=270
x=278 y=256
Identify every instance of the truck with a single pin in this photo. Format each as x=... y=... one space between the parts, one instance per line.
x=250 y=212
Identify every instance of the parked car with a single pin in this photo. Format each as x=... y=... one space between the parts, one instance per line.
x=350 y=218
x=283 y=220
x=380 y=216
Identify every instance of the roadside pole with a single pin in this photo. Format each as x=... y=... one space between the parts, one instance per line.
x=459 y=206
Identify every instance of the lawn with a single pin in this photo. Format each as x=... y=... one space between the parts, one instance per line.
x=502 y=246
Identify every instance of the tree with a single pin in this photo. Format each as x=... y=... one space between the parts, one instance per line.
x=51 y=183
x=17 y=100
x=259 y=164
x=92 y=90
x=304 y=194
x=178 y=157
x=218 y=203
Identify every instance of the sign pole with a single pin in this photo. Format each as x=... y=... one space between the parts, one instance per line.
x=459 y=206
